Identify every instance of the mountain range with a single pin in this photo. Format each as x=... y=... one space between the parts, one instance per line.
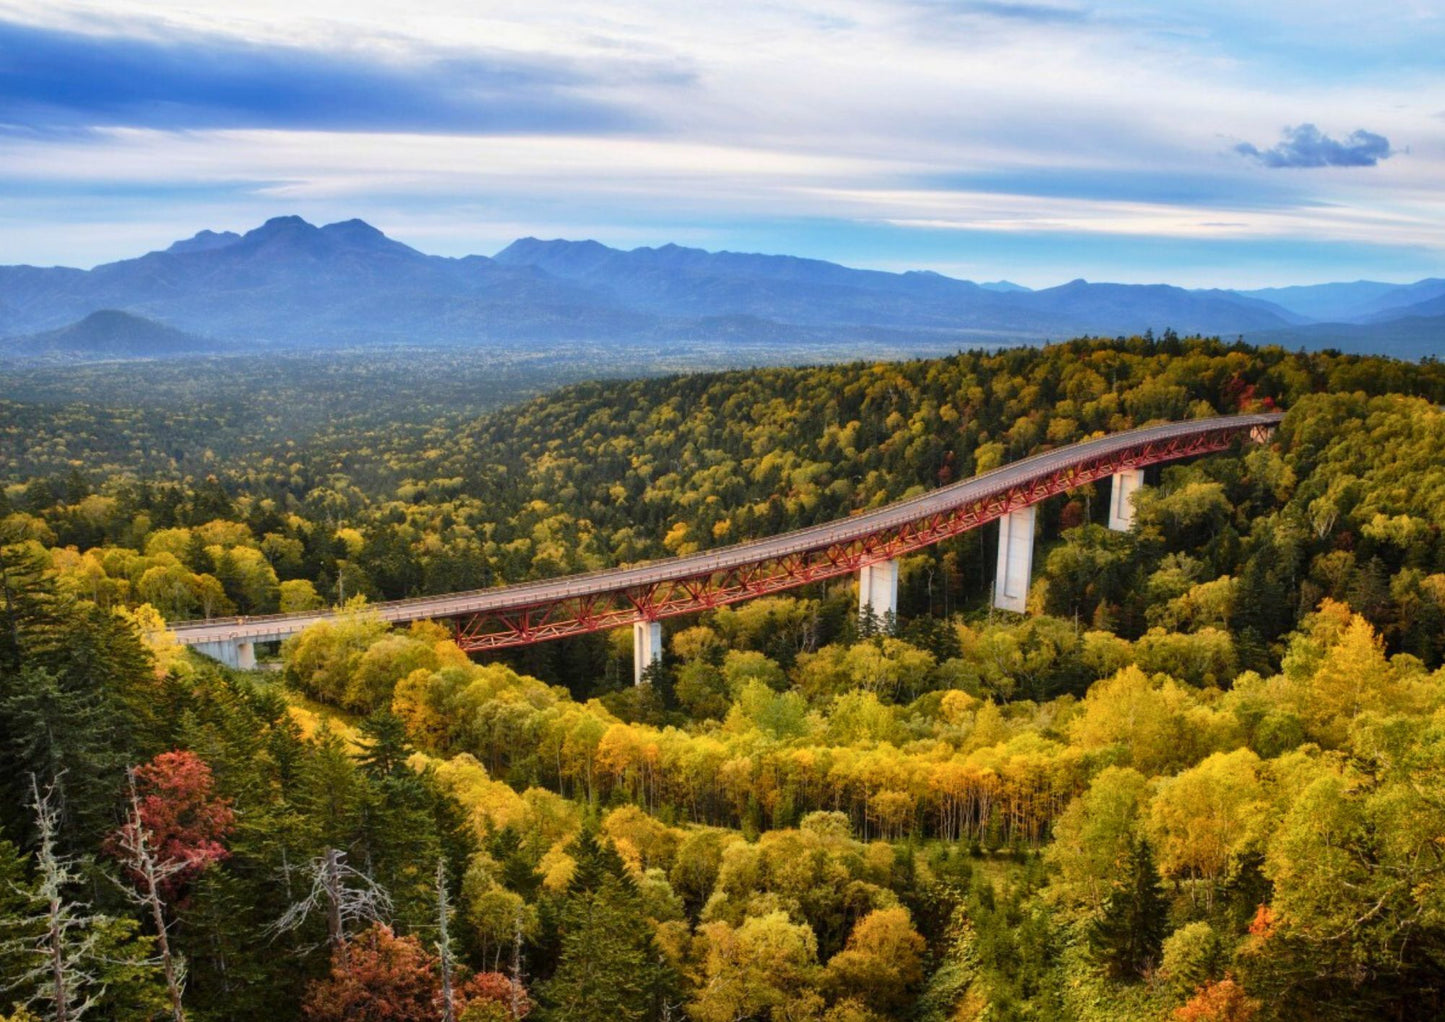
x=291 y=284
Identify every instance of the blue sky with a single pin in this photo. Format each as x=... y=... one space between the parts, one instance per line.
x=1227 y=143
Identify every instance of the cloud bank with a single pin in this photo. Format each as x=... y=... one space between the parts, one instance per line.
x=1307 y=146
x=1037 y=140
x=52 y=79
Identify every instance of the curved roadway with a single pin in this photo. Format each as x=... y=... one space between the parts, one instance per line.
x=529 y=594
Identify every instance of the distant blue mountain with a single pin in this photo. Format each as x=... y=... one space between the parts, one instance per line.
x=685 y=282
x=1409 y=337
x=107 y=334
x=1324 y=303
x=1360 y=301
x=290 y=283
x=1423 y=298
x=1224 y=311
x=204 y=241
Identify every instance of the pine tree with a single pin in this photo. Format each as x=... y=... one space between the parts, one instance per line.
x=384 y=748
x=444 y=945
x=1127 y=938
x=72 y=678
x=608 y=967
x=15 y=902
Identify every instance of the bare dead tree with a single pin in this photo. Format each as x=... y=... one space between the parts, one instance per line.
x=444 y=944
x=517 y=963
x=347 y=896
x=137 y=854
x=62 y=941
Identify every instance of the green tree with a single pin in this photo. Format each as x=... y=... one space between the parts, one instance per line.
x=608 y=966
x=1127 y=936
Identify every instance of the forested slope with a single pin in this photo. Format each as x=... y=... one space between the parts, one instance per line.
x=1201 y=779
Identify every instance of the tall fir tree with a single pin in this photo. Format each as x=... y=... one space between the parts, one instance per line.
x=609 y=968
x=1126 y=939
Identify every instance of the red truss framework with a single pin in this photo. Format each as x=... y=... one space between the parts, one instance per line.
x=557 y=617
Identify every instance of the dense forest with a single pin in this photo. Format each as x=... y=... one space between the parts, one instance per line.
x=1202 y=779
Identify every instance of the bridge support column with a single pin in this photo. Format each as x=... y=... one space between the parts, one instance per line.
x=1015 y=560
x=646 y=647
x=234 y=653
x=878 y=589
x=1122 y=488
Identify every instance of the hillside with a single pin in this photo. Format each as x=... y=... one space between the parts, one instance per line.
x=107 y=334
x=1211 y=747
x=1212 y=744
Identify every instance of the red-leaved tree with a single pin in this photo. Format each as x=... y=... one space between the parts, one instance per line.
x=380 y=977
x=1220 y=1001
x=491 y=995
x=375 y=977
x=186 y=823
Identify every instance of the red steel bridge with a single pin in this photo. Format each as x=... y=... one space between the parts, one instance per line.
x=868 y=543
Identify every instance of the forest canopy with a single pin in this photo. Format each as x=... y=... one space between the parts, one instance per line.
x=1200 y=779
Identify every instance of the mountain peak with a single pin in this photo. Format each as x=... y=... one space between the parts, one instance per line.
x=532 y=244
x=353 y=230
x=277 y=223
x=293 y=235
x=354 y=233
x=280 y=227
x=204 y=241
x=358 y=234
x=554 y=254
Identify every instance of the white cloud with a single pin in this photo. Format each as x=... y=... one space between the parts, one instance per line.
x=811 y=110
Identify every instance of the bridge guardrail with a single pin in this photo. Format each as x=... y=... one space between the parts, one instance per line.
x=791 y=542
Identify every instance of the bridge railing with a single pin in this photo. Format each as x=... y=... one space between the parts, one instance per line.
x=794 y=541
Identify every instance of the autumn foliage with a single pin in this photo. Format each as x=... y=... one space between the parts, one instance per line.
x=186 y=822
x=1221 y=1001
x=380 y=977
x=1203 y=779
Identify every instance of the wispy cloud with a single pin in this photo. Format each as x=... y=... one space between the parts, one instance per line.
x=946 y=131
x=1200 y=188
x=1307 y=146
x=51 y=79
x=1027 y=12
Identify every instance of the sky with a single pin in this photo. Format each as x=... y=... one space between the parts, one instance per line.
x=1206 y=143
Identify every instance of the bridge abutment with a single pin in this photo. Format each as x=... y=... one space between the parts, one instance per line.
x=1015 y=560
x=646 y=647
x=1122 y=487
x=878 y=589
x=233 y=653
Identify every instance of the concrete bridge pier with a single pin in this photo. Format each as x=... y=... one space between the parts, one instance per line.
x=1015 y=560
x=239 y=654
x=878 y=589
x=1122 y=488
x=646 y=647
